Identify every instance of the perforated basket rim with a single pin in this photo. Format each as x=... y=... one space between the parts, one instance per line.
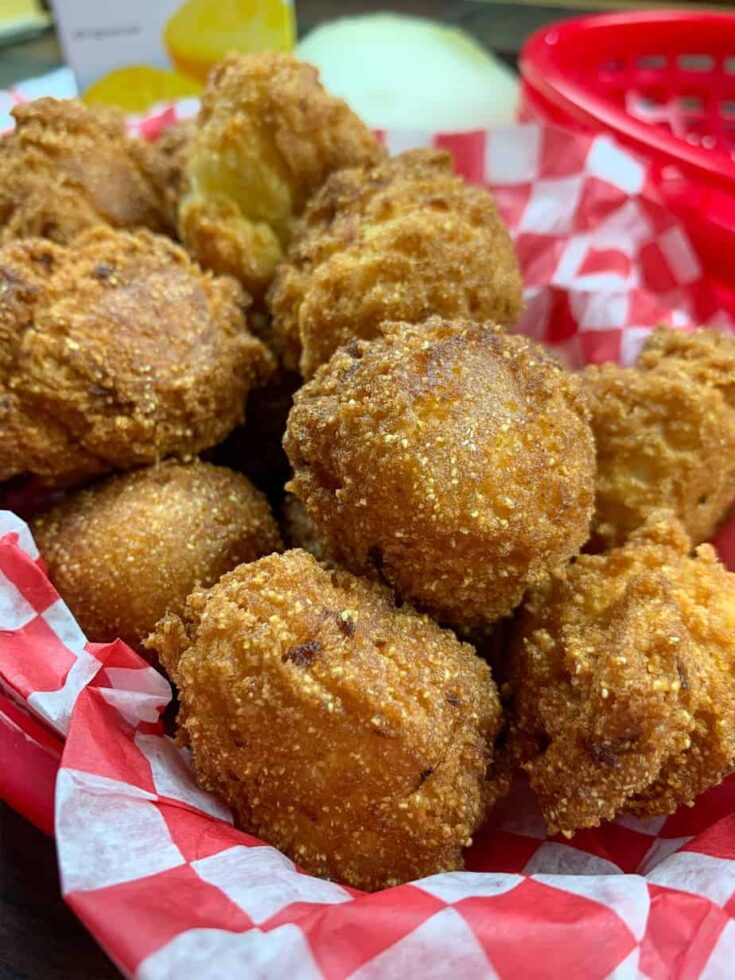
x=546 y=77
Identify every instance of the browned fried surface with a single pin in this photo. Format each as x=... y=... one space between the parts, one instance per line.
x=400 y=240
x=707 y=355
x=29 y=441
x=122 y=353
x=351 y=735
x=452 y=460
x=665 y=433
x=622 y=680
x=268 y=135
x=126 y=551
x=300 y=531
x=67 y=167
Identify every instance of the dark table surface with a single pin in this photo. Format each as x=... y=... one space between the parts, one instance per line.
x=39 y=937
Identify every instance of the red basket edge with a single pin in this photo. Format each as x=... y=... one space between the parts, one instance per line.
x=547 y=80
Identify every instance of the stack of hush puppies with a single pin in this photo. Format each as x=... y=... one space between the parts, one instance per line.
x=454 y=497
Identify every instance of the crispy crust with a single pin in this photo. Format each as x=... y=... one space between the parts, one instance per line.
x=399 y=240
x=67 y=167
x=448 y=458
x=665 y=434
x=351 y=735
x=126 y=551
x=620 y=680
x=29 y=441
x=122 y=353
x=268 y=135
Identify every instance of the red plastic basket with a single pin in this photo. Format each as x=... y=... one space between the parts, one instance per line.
x=663 y=83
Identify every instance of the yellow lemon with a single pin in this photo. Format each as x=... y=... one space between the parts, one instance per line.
x=20 y=15
x=202 y=32
x=137 y=87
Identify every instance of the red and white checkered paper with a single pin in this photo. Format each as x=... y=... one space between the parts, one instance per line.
x=154 y=867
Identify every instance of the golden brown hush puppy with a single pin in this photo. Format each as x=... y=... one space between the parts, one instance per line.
x=352 y=735
x=665 y=433
x=622 y=680
x=115 y=352
x=448 y=458
x=125 y=551
x=398 y=240
x=267 y=136
x=28 y=440
x=67 y=167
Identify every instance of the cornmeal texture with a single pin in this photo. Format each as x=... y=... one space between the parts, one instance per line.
x=399 y=240
x=449 y=459
x=126 y=551
x=351 y=735
x=665 y=434
x=116 y=352
x=267 y=136
x=621 y=680
x=67 y=167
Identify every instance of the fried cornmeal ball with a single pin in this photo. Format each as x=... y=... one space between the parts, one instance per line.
x=125 y=551
x=116 y=352
x=353 y=736
x=665 y=433
x=398 y=240
x=448 y=458
x=28 y=441
x=622 y=680
x=67 y=167
x=268 y=135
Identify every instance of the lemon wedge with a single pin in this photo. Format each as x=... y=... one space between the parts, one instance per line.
x=202 y=32
x=137 y=87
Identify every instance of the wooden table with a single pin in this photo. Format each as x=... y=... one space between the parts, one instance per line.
x=39 y=938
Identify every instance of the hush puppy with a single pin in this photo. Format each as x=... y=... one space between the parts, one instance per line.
x=267 y=136
x=124 y=552
x=67 y=167
x=351 y=735
x=398 y=240
x=665 y=433
x=449 y=459
x=116 y=352
x=622 y=680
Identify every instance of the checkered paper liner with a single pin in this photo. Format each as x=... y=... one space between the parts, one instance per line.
x=154 y=867
x=603 y=260
x=157 y=872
